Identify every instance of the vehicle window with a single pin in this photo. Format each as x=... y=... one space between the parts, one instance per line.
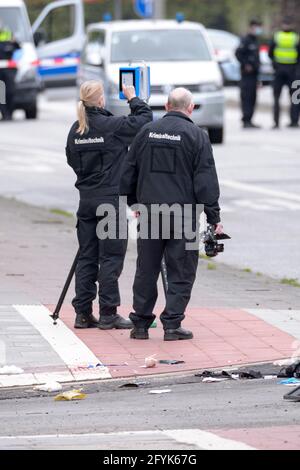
x=224 y=40
x=15 y=20
x=159 y=46
x=59 y=23
x=93 y=47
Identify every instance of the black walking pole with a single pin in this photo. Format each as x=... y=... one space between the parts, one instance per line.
x=164 y=276
x=62 y=297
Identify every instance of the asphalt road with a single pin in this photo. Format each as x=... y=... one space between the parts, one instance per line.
x=259 y=173
x=104 y=418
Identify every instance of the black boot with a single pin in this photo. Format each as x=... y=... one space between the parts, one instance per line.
x=139 y=333
x=177 y=335
x=116 y=322
x=83 y=322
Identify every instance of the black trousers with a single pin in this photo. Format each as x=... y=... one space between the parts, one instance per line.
x=248 y=96
x=181 y=271
x=100 y=261
x=285 y=75
x=8 y=77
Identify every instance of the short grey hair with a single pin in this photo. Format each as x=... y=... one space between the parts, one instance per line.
x=180 y=99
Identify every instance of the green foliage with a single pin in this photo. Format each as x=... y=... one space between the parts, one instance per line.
x=290 y=282
x=230 y=15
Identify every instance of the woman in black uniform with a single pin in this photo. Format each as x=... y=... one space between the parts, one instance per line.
x=97 y=145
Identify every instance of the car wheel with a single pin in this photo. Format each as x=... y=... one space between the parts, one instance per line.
x=31 y=112
x=216 y=135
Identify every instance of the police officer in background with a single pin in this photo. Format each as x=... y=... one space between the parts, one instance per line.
x=170 y=162
x=285 y=55
x=8 y=45
x=249 y=57
x=96 y=147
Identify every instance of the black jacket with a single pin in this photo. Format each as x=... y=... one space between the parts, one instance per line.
x=248 y=54
x=7 y=49
x=96 y=156
x=171 y=161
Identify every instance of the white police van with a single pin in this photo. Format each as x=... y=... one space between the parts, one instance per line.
x=13 y=16
x=59 y=35
x=178 y=53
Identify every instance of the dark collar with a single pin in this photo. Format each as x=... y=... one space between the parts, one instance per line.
x=95 y=110
x=179 y=115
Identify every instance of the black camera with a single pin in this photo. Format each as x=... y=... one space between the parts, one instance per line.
x=210 y=239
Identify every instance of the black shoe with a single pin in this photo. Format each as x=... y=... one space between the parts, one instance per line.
x=83 y=322
x=139 y=333
x=276 y=127
x=177 y=335
x=293 y=125
x=117 y=323
x=250 y=125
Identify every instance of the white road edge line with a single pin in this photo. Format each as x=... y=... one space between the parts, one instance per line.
x=64 y=342
x=253 y=188
x=201 y=439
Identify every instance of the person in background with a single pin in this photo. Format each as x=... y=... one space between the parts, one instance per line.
x=285 y=55
x=249 y=57
x=8 y=45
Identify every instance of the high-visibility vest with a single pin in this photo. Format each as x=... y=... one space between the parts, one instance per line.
x=5 y=35
x=286 y=50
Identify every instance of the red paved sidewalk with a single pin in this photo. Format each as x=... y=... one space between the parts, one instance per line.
x=267 y=438
x=222 y=337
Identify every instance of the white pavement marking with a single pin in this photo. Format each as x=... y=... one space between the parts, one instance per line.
x=75 y=354
x=286 y=320
x=253 y=188
x=201 y=439
x=206 y=440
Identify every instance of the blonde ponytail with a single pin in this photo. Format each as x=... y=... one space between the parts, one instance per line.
x=82 y=119
x=91 y=95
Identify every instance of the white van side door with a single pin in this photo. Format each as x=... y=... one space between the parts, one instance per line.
x=59 y=36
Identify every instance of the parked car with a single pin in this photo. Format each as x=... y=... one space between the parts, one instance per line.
x=13 y=15
x=225 y=45
x=179 y=54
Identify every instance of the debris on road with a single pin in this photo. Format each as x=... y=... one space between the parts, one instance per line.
x=49 y=387
x=11 y=370
x=290 y=382
x=250 y=374
x=71 y=395
x=150 y=362
x=214 y=380
x=292 y=370
x=214 y=375
x=159 y=392
x=129 y=385
x=171 y=362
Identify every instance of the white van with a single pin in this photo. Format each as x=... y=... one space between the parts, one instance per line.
x=59 y=35
x=179 y=54
x=13 y=15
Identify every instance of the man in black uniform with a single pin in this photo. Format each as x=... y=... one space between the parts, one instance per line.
x=249 y=58
x=96 y=147
x=170 y=162
x=8 y=45
x=285 y=55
